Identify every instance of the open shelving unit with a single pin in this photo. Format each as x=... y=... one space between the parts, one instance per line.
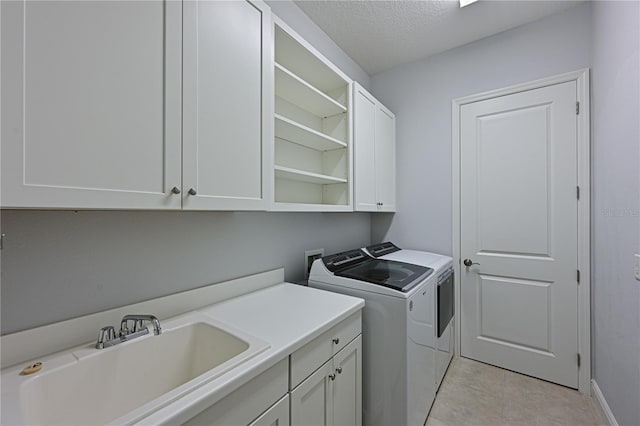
x=312 y=146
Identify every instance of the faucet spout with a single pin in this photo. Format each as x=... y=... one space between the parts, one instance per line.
x=139 y=321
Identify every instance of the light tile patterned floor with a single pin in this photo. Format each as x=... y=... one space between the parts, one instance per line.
x=474 y=393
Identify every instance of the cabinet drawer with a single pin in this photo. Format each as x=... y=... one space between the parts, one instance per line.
x=243 y=405
x=307 y=359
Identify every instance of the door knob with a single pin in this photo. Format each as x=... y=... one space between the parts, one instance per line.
x=469 y=262
x=175 y=190
x=192 y=191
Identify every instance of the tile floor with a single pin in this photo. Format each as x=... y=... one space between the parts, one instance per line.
x=474 y=393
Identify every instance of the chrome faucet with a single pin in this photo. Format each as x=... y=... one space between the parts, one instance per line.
x=138 y=323
x=107 y=336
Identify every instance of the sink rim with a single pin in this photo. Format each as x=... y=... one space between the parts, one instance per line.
x=13 y=384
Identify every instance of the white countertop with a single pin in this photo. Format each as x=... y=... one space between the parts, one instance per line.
x=288 y=316
x=277 y=317
x=285 y=316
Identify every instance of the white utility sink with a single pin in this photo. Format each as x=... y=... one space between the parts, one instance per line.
x=129 y=381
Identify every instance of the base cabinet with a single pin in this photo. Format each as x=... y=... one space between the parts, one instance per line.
x=319 y=384
x=252 y=403
x=311 y=401
x=347 y=386
x=278 y=415
x=332 y=395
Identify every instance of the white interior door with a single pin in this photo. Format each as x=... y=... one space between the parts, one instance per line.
x=518 y=224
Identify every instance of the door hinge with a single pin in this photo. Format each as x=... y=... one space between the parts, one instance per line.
x=578 y=275
x=2 y=241
x=577 y=108
x=579 y=360
x=578 y=192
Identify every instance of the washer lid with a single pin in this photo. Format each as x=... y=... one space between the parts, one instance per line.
x=388 y=273
x=377 y=250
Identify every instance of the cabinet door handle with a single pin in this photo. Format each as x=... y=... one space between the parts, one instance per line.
x=332 y=376
x=175 y=190
x=339 y=370
x=336 y=340
x=192 y=191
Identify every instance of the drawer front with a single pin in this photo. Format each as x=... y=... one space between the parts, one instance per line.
x=246 y=403
x=307 y=359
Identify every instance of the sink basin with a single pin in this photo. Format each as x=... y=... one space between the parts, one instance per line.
x=132 y=379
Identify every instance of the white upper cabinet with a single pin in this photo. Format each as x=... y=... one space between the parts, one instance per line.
x=375 y=159
x=226 y=101
x=136 y=104
x=312 y=144
x=91 y=104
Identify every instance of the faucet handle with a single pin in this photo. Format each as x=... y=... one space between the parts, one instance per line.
x=124 y=330
x=106 y=334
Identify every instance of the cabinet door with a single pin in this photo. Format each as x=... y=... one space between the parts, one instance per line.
x=385 y=161
x=364 y=148
x=226 y=92
x=347 y=386
x=311 y=401
x=278 y=415
x=91 y=104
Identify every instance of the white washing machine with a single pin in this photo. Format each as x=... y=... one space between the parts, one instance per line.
x=399 y=346
x=444 y=299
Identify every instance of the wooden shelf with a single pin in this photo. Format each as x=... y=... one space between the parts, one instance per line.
x=312 y=128
x=297 y=91
x=309 y=207
x=291 y=54
x=303 y=176
x=300 y=134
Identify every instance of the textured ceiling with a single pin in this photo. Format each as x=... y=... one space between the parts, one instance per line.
x=380 y=35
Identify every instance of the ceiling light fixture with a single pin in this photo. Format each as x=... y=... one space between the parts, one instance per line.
x=464 y=3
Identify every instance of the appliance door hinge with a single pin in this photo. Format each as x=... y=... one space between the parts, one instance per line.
x=578 y=192
x=578 y=275
x=579 y=360
x=577 y=108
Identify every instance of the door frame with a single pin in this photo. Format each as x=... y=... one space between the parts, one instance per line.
x=581 y=77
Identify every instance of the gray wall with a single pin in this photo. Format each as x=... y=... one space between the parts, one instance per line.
x=420 y=95
x=303 y=25
x=60 y=265
x=616 y=206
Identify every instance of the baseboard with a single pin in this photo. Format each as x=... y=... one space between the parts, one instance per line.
x=607 y=414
